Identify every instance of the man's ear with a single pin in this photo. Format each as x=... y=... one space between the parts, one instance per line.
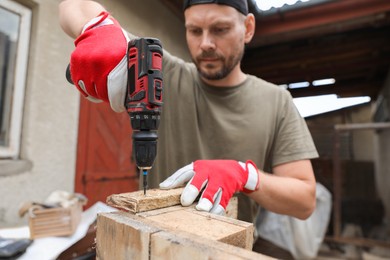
x=250 y=25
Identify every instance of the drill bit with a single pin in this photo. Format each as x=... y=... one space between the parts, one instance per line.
x=145 y=177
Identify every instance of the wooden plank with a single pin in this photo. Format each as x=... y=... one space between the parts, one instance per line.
x=121 y=235
x=180 y=245
x=215 y=227
x=135 y=202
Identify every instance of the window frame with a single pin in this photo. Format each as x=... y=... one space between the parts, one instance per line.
x=12 y=150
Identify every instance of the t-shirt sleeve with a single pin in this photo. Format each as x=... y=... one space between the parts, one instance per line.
x=293 y=140
x=171 y=63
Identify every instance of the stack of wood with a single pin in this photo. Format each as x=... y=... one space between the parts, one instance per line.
x=156 y=226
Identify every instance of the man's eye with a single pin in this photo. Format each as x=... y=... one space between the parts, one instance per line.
x=195 y=31
x=221 y=30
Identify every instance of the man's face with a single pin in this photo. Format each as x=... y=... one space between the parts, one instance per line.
x=215 y=37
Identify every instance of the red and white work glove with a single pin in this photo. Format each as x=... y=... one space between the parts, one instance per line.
x=220 y=180
x=98 y=65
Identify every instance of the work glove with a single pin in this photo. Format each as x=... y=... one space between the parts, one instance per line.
x=98 y=65
x=220 y=179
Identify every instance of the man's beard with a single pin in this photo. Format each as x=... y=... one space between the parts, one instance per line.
x=227 y=64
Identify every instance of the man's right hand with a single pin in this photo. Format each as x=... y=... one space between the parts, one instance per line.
x=98 y=65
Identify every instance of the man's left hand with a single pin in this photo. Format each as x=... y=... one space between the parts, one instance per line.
x=220 y=179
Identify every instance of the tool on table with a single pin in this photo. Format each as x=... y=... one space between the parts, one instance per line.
x=144 y=100
x=12 y=248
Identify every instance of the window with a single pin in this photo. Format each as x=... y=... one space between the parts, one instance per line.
x=15 y=21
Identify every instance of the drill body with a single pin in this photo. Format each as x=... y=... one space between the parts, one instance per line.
x=144 y=99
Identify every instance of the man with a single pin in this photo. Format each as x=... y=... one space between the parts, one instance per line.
x=221 y=129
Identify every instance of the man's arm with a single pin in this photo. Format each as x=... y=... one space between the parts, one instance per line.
x=290 y=190
x=74 y=14
x=99 y=73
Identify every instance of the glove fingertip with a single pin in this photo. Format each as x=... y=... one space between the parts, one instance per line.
x=218 y=210
x=189 y=194
x=204 y=205
x=165 y=185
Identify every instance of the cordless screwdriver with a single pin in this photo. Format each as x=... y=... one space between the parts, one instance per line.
x=144 y=100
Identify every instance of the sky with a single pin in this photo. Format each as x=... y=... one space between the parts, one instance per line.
x=267 y=4
x=309 y=106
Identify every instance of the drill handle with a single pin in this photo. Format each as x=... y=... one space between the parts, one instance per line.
x=145 y=81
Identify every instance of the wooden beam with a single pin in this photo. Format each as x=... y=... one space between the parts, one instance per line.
x=215 y=227
x=122 y=235
x=334 y=12
x=362 y=126
x=354 y=50
x=165 y=245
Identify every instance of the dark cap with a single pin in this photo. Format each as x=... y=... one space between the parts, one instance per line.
x=240 y=5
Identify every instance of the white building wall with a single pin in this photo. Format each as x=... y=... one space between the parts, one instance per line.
x=382 y=162
x=51 y=110
x=383 y=173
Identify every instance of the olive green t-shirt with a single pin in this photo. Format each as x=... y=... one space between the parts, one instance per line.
x=255 y=120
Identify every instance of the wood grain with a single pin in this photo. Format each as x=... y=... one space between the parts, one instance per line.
x=214 y=227
x=147 y=235
x=135 y=202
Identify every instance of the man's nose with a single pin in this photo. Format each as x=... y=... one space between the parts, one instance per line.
x=207 y=42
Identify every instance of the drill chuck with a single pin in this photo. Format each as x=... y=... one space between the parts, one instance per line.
x=144 y=148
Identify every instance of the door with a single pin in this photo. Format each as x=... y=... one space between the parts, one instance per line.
x=104 y=165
